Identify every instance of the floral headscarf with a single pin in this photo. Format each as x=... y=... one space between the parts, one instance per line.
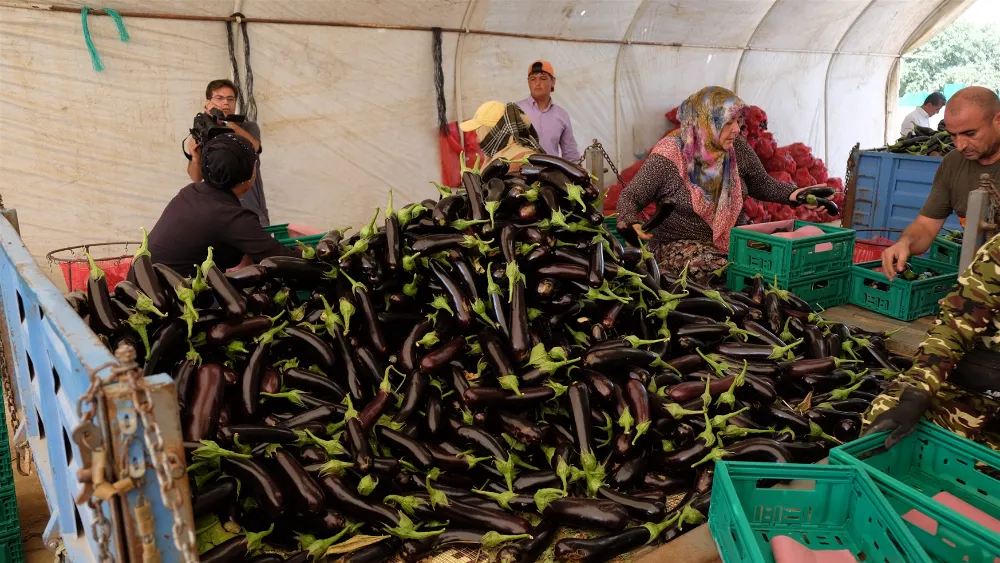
x=712 y=175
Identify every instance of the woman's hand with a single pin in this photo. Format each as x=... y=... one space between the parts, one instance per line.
x=819 y=190
x=640 y=233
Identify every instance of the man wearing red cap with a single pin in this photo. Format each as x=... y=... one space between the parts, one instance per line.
x=555 y=132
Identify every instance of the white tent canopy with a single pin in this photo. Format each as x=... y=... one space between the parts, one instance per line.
x=347 y=104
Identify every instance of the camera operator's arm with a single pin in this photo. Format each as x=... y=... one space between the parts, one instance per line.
x=194 y=164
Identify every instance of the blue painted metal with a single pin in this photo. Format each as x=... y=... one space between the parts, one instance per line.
x=53 y=353
x=891 y=188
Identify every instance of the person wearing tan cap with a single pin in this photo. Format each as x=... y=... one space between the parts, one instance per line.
x=555 y=131
x=504 y=131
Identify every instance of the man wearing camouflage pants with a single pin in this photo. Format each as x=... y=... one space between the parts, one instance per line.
x=954 y=381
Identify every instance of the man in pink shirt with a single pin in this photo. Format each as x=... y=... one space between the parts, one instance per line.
x=555 y=132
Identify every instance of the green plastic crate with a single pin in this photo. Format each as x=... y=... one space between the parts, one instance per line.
x=6 y=467
x=11 y=549
x=929 y=461
x=901 y=299
x=825 y=508
x=792 y=258
x=9 y=521
x=820 y=291
x=279 y=231
x=310 y=240
x=945 y=251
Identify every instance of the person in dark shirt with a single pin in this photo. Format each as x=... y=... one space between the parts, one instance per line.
x=209 y=213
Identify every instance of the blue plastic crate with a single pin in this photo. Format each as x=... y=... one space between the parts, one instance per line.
x=825 y=508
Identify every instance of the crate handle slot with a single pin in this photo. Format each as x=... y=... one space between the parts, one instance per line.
x=823 y=247
x=758 y=245
x=822 y=284
x=800 y=484
x=987 y=470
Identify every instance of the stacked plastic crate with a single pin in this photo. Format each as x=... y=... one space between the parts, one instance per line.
x=10 y=526
x=816 y=268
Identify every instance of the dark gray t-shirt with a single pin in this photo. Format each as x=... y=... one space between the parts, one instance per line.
x=254 y=199
x=955 y=178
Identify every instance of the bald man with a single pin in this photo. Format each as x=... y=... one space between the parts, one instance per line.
x=972 y=116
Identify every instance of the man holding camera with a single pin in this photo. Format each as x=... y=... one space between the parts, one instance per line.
x=220 y=103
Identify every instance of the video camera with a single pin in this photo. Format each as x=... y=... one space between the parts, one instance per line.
x=208 y=125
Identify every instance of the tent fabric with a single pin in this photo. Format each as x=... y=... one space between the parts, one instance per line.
x=348 y=112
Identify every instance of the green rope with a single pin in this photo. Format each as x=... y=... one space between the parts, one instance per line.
x=95 y=59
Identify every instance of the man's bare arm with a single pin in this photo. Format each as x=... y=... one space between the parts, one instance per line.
x=916 y=239
x=921 y=233
x=194 y=165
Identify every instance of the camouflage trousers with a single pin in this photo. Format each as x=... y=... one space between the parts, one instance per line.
x=968 y=414
x=701 y=258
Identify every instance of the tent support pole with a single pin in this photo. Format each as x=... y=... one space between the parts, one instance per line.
x=826 y=82
x=459 y=60
x=746 y=47
x=639 y=12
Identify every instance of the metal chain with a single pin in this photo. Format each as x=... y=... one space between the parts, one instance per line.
x=168 y=466
x=22 y=455
x=607 y=158
x=100 y=528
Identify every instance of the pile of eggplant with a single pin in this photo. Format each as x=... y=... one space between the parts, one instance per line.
x=478 y=370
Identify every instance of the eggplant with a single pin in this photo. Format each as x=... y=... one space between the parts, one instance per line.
x=345 y=498
x=233 y=550
x=266 y=491
x=242 y=329
x=414 y=396
x=639 y=508
x=441 y=356
x=417 y=451
x=164 y=341
x=206 y=403
x=232 y=301
x=320 y=351
x=253 y=434
x=298 y=378
x=484 y=396
x=529 y=550
x=305 y=489
x=183 y=379
x=375 y=553
x=293 y=268
x=588 y=513
x=214 y=497
x=251 y=378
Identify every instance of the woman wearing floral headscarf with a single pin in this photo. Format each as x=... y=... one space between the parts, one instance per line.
x=707 y=169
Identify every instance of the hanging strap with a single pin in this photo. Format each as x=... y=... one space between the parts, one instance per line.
x=246 y=100
x=439 y=83
x=95 y=59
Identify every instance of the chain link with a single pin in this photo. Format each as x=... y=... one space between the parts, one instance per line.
x=22 y=455
x=168 y=467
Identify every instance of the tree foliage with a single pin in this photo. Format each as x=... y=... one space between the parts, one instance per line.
x=963 y=53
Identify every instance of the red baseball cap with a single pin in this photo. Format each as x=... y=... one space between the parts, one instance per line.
x=541 y=66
